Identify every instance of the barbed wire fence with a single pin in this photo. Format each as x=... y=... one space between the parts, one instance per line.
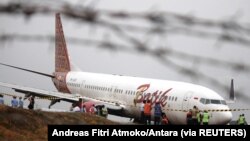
x=132 y=33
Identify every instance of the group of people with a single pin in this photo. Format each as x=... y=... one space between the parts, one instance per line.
x=15 y=103
x=195 y=117
x=100 y=110
x=19 y=103
x=159 y=116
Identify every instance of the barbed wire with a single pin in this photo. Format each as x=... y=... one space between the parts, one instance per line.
x=111 y=45
x=158 y=22
x=155 y=24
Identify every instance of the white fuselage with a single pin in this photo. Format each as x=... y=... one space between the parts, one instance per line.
x=175 y=97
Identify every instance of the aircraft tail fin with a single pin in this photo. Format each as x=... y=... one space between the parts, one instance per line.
x=231 y=93
x=232 y=96
x=62 y=63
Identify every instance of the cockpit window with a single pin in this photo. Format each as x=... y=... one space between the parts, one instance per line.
x=203 y=100
x=223 y=102
x=208 y=101
x=214 y=101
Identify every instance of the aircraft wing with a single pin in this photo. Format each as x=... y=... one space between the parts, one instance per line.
x=57 y=96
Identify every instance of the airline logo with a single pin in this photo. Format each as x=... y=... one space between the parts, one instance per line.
x=157 y=96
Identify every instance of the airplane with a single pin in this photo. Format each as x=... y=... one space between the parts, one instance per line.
x=123 y=95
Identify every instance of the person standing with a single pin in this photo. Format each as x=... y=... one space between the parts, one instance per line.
x=241 y=120
x=92 y=109
x=1 y=99
x=205 y=118
x=147 y=112
x=81 y=105
x=189 y=117
x=142 y=111
x=71 y=107
x=14 y=102
x=194 y=115
x=32 y=102
x=105 y=111
x=158 y=113
x=20 y=103
x=164 y=119
x=199 y=118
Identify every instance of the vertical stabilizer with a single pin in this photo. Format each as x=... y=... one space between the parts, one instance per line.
x=232 y=96
x=62 y=63
x=231 y=93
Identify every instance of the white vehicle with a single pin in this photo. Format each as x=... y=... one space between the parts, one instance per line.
x=124 y=94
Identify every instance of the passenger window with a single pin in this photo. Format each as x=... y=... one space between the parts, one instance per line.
x=175 y=98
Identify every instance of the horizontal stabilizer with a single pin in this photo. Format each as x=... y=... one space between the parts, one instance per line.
x=36 y=72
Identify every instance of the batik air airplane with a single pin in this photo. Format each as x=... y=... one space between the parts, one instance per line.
x=123 y=95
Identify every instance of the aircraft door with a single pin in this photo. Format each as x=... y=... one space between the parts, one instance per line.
x=82 y=90
x=186 y=105
x=113 y=94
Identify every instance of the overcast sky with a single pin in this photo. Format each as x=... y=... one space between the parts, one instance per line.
x=40 y=55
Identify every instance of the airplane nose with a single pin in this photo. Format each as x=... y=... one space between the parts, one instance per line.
x=227 y=117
